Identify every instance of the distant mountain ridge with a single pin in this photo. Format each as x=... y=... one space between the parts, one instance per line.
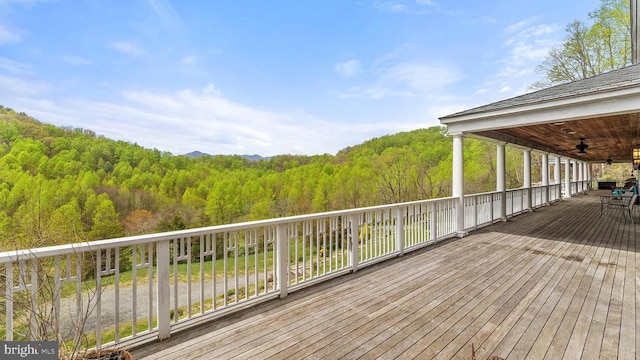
x=254 y=157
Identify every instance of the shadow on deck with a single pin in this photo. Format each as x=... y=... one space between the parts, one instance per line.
x=561 y=282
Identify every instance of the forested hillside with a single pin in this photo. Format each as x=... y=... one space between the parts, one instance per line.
x=61 y=185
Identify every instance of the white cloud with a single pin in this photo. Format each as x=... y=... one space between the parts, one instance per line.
x=513 y=28
x=16 y=87
x=417 y=7
x=399 y=8
x=406 y=79
x=211 y=89
x=186 y=120
x=189 y=60
x=128 y=47
x=74 y=60
x=13 y=67
x=8 y=36
x=25 y=2
x=349 y=68
x=531 y=43
x=488 y=20
x=421 y=77
x=166 y=13
x=527 y=44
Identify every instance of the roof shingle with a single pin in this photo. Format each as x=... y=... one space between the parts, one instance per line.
x=622 y=78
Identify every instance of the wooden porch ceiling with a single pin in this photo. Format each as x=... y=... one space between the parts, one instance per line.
x=604 y=110
x=607 y=137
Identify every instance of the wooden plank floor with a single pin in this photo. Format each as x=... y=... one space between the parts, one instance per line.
x=559 y=283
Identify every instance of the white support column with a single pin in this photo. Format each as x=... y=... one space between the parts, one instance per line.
x=581 y=171
x=458 y=182
x=577 y=171
x=501 y=180
x=583 y=176
x=567 y=178
x=556 y=176
x=545 y=178
x=527 y=177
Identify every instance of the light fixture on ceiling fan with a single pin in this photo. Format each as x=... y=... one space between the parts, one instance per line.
x=582 y=147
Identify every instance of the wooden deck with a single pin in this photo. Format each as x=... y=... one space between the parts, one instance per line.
x=558 y=283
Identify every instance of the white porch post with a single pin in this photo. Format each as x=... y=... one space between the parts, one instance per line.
x=581 y=171
x=567 y=178
x=501 y=180
x=282 y=260
x=582 y=175
x=545 y=178
x=458 y=182
x=577 y=174
x=556 y=177
x=527 y=178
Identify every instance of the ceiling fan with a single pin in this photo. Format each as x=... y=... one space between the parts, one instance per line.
x=609 y=161
x=582 y=147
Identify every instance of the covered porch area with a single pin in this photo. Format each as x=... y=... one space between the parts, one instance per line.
x=560 y=282
x=571 y=126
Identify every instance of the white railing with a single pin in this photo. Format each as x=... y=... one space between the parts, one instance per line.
x=135 y=289
x=516 y=200
x=538 y=196
x=576 y=187
x=579 y=187
x=130 y=289
x=482 y=209
x=555 y=192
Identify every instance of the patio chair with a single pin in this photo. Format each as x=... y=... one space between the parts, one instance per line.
x=630 y=205
x=624 y=203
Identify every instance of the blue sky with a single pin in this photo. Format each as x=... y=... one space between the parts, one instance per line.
x=269 y=77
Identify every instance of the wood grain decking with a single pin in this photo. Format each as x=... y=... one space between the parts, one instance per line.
x=558 y=283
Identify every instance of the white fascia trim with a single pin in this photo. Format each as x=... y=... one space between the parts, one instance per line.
x=594 y=105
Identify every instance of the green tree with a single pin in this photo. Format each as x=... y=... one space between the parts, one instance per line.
x=106 y=224
x=323 y=193
x=223 y=204
x=42 y=218
x=393 y=182
x=5 y=231
x=590 y=49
